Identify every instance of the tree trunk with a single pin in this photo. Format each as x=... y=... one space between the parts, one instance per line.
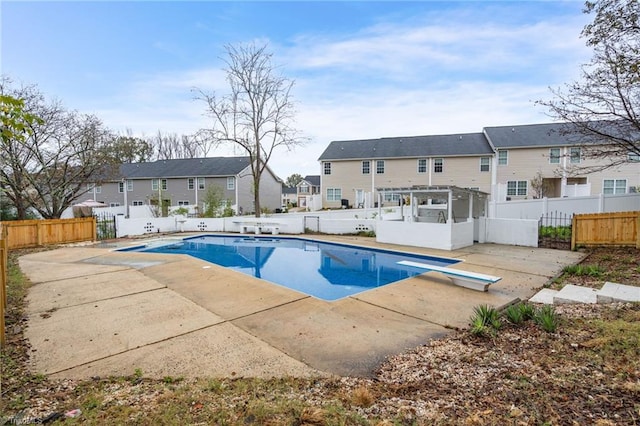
x=256 y=194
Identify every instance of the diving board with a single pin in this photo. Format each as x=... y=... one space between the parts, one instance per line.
x=472 y=280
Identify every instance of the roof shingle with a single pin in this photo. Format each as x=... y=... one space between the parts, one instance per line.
x=183 y=167
x=467 y=144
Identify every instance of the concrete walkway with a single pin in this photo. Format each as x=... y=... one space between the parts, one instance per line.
x=96 y=312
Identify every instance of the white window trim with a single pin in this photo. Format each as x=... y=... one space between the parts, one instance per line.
x=506 y=157
x=426 y=166
x=579 y=156
x=438 y=162
x=378 y=162
x=488 y=159
x=615 y=186
x=333 y=194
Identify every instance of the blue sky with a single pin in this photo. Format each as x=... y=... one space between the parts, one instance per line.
x=363 y=69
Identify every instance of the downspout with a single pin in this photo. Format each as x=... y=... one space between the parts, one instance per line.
x=373 y=182
x=236 y=194
x=195 y=187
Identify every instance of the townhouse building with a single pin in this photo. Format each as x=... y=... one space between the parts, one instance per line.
x=548 y=150
x=185 y=182
x=352 y=170
x=508 y=162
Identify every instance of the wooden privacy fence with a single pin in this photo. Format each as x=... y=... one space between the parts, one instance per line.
x=619 y=229
x=33 y=233
x=4 y=251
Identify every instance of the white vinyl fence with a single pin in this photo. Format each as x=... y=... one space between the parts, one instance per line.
x=534 y=209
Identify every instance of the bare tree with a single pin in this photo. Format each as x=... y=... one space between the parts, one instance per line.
x=256 y=116
x=170 y=146
x=602 y=108
x=48 y=169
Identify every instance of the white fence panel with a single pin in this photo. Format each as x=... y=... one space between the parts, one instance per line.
x=346 y=226
x=518 y=232
x=534 y=209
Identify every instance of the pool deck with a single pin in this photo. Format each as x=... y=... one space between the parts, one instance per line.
x=93 y=311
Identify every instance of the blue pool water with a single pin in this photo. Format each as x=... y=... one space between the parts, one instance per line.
x=328 y=271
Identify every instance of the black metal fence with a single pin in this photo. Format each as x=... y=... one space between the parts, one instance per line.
x=554 y=230
x=105 y=226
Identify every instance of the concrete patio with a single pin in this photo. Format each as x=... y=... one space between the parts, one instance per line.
x=97 y=312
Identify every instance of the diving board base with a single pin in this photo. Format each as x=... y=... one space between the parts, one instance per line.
x=470 y=280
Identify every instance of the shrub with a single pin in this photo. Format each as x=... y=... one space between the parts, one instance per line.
x=547 y=318
x=514 y=314
x=485 y=319
x=583 y=270
x=528 y=311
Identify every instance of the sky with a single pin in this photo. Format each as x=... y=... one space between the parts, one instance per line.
x=362 y=69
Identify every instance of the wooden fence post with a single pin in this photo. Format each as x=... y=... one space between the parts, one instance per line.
x=3 y=280
x=574 y=230
x=638 y=231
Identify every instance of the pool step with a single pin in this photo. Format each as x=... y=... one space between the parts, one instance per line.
x=610 y=292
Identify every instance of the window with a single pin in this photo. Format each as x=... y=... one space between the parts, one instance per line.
x=121 y=187
x=388 y=197
x=422 y=165
x=304 y=188
x=137 y=203
x=485 y=164
x=614 y=186
x=114 y=204
x=554 y=156
x=162 y=182
x=183 y=203
x=438 y=165
x=231 y=183
x=201 y=183
x=94 y=188
x=366 y=167
x=379 y=167
x=633 y=156
x=503 y=157
x=517 y=187
x=575 y=155
x=334 y=194
x=327 y=168
x=191 y=184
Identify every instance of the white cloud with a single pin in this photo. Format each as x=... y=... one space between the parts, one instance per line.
x=454 y=74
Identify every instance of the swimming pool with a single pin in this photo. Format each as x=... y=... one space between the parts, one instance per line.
x=325 y=270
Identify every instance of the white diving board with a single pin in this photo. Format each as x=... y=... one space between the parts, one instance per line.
x=472 y=280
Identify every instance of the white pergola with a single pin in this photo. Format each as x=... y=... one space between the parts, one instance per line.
x=426 y=195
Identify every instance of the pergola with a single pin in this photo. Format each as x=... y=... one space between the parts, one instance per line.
x=437 y=195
